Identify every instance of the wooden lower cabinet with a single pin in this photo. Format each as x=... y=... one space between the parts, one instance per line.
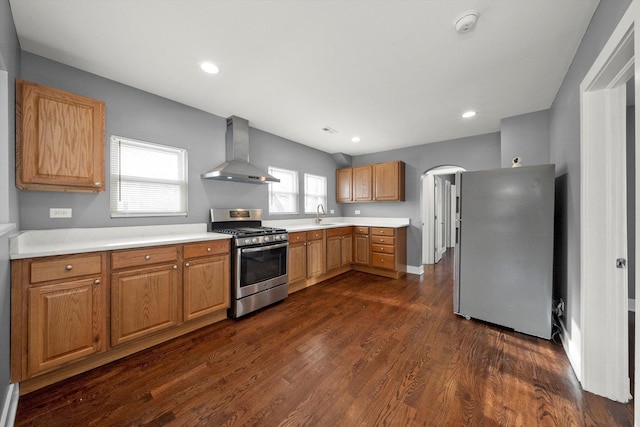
x=206 y=279
x=72 y=313
x=143 y=301
x=316 y=253
x=297 y=257
x=339 y=247
x=58 y=312
x=361 y=245
x=66 y=322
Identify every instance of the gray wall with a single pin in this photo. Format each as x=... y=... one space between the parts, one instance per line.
x=9 y=62
x=136 y=114
x=473 y=153
x=525 y=136
x=565 y=153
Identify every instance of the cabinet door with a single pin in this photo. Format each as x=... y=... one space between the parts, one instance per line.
x=316 y=258
x=361 y=251
x=334 y=255
x=344 y=185
x=143 y=301
x=388 y=181
x=297 y=262
x=206 y=286
x=346 y=250
x=362 y=182
x=67 y=322
x=59 y=140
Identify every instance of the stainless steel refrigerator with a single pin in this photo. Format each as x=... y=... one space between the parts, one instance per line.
x=504 y=247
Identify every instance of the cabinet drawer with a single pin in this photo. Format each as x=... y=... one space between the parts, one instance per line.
x=195 y=250
x=65 y=267
x=383 y=261
x=361 y=230
x=300 y=236
x=340 y=231
x=315 y=235
x=379 y=231
x=384 y=249
x=383 y=240
x=142 y=257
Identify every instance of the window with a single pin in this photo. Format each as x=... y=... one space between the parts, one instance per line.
x=283 y=195
x=315 y=192
x=147 y=179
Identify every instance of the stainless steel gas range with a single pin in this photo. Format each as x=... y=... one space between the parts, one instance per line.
x=259 y=257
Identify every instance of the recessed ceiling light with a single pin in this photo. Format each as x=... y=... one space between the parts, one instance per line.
x=210 y=68
x=468 y=114
x=355 y=139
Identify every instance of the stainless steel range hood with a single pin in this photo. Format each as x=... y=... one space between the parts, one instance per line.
x=237 y=167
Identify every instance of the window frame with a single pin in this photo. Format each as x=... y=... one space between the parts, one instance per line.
x=323 y=196
x=116 y=178
x=295 y=192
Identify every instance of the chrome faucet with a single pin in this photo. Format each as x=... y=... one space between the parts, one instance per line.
x=319 y=211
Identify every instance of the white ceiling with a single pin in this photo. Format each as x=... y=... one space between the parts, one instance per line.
x=394 y=72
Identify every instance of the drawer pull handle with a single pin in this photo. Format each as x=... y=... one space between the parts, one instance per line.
x=69 y=267
x=148 y=257
x=96 y=282
x=97 y=183
x=208 y=249
x=187 y=265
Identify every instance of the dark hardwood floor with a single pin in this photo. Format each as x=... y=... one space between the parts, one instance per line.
x=357 y=350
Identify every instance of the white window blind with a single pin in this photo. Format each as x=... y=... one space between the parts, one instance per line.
x=283 y=195
x=315 y=192
x=147 y=179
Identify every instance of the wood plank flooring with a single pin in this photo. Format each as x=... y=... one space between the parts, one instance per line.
x=357 y=350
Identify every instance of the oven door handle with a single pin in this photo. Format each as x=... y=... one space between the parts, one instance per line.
x=264 y=248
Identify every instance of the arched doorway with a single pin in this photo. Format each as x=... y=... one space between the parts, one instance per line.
x=438 y=211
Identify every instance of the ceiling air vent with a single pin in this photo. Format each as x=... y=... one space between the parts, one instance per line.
x=329 y=130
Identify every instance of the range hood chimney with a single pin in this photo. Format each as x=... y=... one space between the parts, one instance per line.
x=237 y=167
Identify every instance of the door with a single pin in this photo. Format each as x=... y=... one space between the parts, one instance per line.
x=438 y=219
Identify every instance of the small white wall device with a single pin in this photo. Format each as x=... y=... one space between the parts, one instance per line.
x=516 y=162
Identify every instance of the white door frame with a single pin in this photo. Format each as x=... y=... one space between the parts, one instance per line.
x=427 y=209
x=602 y=337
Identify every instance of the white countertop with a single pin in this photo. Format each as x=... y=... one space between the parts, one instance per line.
x=36 y=243
x=62 y=241
x=306 y=224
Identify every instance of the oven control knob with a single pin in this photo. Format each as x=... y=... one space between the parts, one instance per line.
x=254 y=240
x=247 y=241
x=277 y=237
x=266 y=239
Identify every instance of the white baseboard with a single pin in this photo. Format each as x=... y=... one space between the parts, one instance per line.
x=10 y=406
x=571 y=355
x=415 y=270
x=632 y=304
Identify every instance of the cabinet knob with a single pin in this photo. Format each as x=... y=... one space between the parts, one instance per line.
x=208 y=249
x=148 y=257
x=187 y=264
x=97 y=183
x=175 y=267
x=96 y=282
x=69 y=267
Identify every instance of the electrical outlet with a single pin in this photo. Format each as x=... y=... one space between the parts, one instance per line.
x=60 y=213
x=332 y=211
x=357 y=211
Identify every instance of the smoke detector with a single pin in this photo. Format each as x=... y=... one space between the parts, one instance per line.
x=466 y=22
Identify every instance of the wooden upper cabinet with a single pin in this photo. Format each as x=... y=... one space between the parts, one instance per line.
x=388 y=181
x=382 y=182
x=344 y=185
x=59 y=140
x=362 y=180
